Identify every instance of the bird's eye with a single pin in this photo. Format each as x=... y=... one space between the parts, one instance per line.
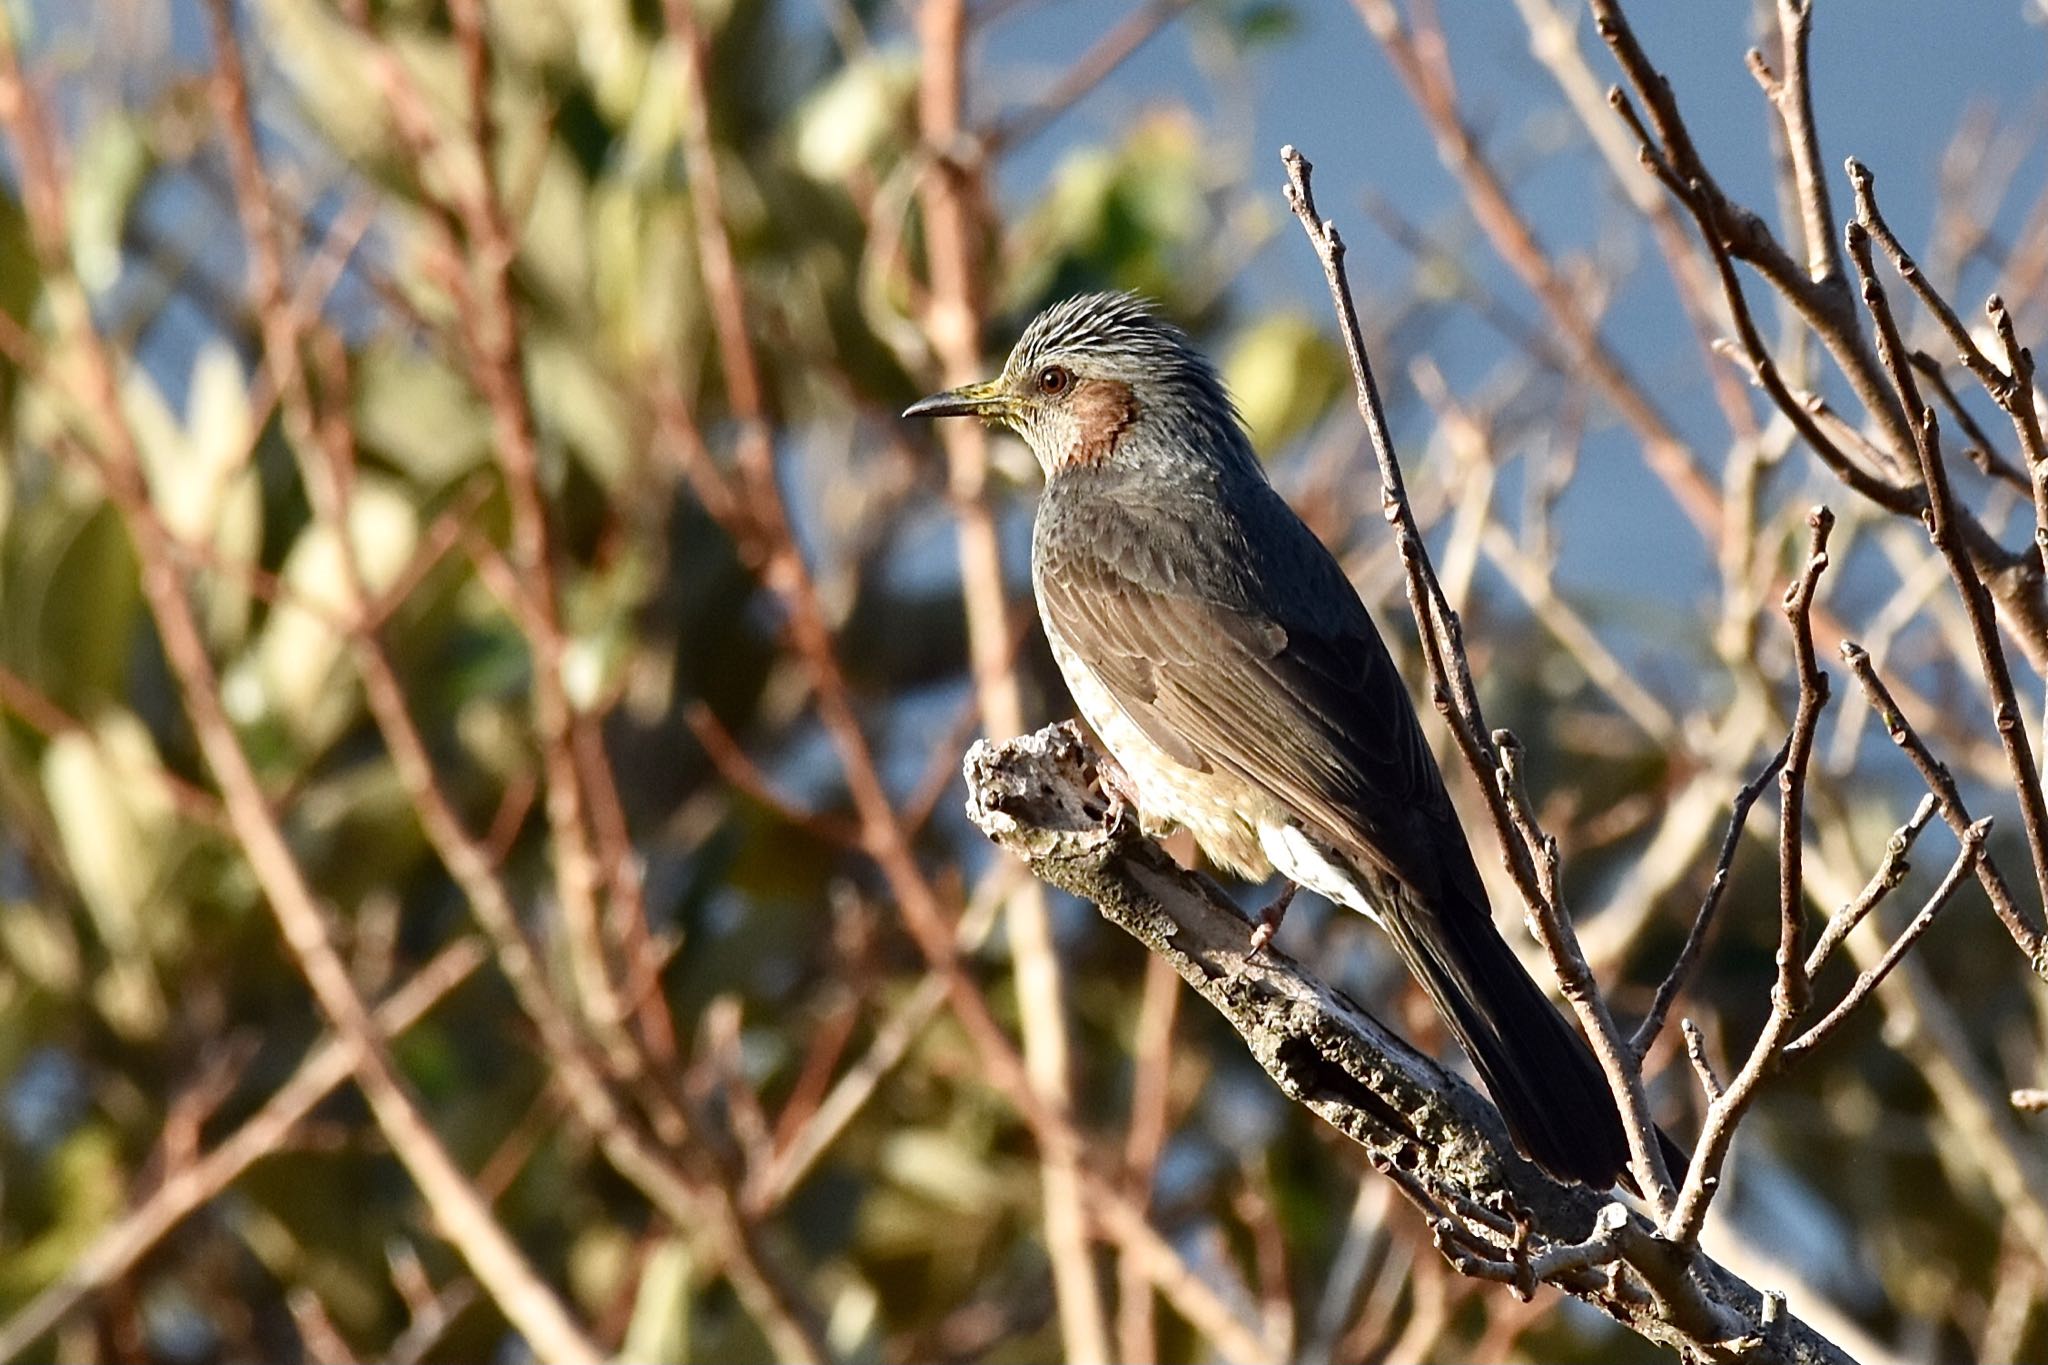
x=1053 y=379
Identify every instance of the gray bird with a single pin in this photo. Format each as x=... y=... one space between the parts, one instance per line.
x=1226 y=661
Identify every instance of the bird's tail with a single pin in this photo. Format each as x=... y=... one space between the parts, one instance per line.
x=1538 y=1068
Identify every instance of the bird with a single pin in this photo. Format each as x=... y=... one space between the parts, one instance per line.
x=1225 y=660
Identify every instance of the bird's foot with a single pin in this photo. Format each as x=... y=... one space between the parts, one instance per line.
x=1270 y=917
x=1116 y=784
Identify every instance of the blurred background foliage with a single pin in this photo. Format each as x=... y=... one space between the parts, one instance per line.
x=148 y=1007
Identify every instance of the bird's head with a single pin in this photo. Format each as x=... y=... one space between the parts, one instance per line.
x=1099 y=379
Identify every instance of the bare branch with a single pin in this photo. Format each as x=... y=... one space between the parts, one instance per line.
x=953 y=197
x=1732 y=232
x=1144 y=1142
x=1989 y=375
x=327 y=450
x=2012 y=388
x=1419 y=60
x=2018 y=396
x=1824 y=301
x=1813 y=696
x=1111 y=50
x=1981 y=451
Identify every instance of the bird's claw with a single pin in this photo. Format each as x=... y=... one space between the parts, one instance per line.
x=1116 y=786
x=1269 y=920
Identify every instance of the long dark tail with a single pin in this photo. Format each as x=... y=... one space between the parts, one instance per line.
x=1538 y=1068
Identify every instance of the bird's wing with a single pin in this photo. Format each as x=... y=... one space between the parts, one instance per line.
x=1253 y=655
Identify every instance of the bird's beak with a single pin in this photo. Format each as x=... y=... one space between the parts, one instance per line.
x=969 y=400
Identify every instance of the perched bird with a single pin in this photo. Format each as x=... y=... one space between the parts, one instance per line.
x=1226 y=661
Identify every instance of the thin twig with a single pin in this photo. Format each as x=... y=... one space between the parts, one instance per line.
x=740 y=772
x=1110 y=51
x=1868 y=981
x=1553 y=38
x=1144 y=1142
x=501 y=377
x=1825 y=302
x=1813 y=697
x=1450 y=674
x=762 y=525
x=1790 y=991
x=1253 y=1205
x=1890 y=872
x=1790 y=91
x=1732 y=232
x=1036 y=796
x=1982 y=452
x=1696 y=938
x=325 y=442
x=2018 y=396
x=1702 y=1065
x=1877 y=486
x=1935 y=774
x=1943 y=529
x=2004 y=388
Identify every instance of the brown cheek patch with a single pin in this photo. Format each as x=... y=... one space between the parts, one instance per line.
x=1102 y=409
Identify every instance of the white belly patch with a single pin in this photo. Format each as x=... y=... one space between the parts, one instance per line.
x=1298 y=858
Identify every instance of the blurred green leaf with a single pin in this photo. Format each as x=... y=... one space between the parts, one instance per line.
x=613 y=55
x=555 y=234
x=200 y=477
x=20 y=284
x=112 y=163
x=301 y=644
x=327 y=65
x=115 y=818
x=1284 y=373
x=1133 y=216
x=83 y=1184
x=660 y=1326
x=37 y=942
x=934 y=1165
x=849 y=122
x=70 y=597
x=1263 y=23
x=414 y=411
x=134 y=951
x=643 y=272
x=579 y=408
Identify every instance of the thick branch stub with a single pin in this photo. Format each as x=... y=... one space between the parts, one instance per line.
x=1434 y=1135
